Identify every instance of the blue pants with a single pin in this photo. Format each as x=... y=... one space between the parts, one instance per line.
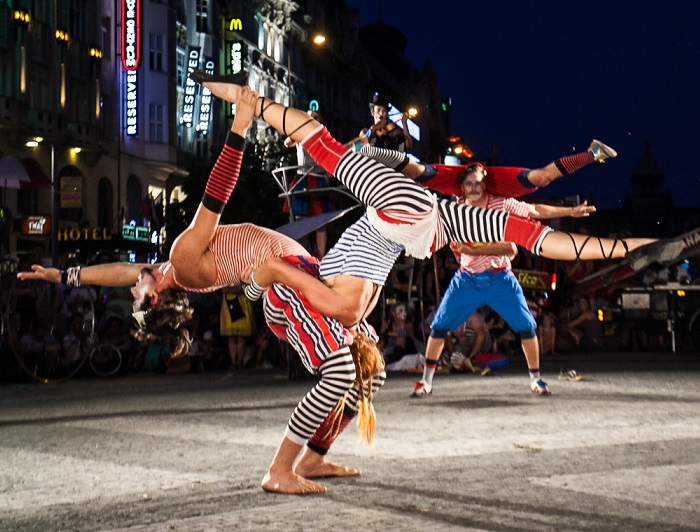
x=468 y=292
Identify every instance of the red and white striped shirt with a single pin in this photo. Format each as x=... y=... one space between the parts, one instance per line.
x=237 y=246
x=482 y=263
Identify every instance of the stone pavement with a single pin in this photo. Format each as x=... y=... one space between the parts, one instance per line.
x=618 y=451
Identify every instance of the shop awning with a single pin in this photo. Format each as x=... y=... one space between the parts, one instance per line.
x=37 y=177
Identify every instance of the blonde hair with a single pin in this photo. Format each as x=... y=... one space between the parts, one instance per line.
x=368 y=362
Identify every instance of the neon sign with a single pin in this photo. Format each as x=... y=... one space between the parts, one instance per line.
x=131 y=118
x=190 y=89
x=313 y=105
x=236 y=57
x=135 y=232
x=205 y=103
x=235 y=25
x=131 y=29
x=131 y=57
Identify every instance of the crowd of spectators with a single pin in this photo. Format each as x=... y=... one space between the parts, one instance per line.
x=229 y=332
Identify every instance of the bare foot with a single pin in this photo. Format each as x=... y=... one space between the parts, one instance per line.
x=290 y=484
x=312 y=465
x=225 y=91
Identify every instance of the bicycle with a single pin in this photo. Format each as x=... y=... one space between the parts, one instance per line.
x=51 y=348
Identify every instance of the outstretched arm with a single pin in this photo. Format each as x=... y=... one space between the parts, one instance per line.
x=542 y=211
x=112 y=274
x=478 y=249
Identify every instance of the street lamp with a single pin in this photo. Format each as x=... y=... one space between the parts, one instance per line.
x=318 y=39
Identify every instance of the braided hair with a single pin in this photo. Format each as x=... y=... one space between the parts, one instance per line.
x=368 y=362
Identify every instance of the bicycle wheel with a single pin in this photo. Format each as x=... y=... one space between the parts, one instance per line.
x=105 y=360
x=50 y=346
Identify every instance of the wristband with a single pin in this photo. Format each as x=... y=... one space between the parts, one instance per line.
x=71 y=276
x=252 y=290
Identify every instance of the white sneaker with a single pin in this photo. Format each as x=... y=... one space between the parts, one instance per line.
x=539 y=387
x=601 y=152
x=421 y=389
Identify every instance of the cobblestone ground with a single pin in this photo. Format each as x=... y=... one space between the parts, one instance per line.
x=617 y=451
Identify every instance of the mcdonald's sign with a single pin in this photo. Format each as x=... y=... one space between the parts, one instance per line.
x=235 y=24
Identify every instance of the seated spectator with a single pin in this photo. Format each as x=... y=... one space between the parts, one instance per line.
x=37 y=343
x=397 y=341
x=473 y=336
x=116 y=333
x=472 y=347
x=547 y=334
x=585 y=330
x=504 y=339
x=72 y=342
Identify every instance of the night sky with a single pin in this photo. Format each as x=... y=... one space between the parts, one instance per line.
x=541 y=78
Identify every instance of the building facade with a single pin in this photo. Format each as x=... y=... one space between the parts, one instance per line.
x=97 y=107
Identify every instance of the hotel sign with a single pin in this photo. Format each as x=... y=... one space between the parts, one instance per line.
x=84 y=234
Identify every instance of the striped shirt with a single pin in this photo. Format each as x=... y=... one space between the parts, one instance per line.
x=482 y=263
x=361 y=251
x=237 y=246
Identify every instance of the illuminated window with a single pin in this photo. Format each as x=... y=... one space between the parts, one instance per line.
x=262 y=35
x=270 y=42
x=278 y=46
x=155 y=42
x=181 y=66
x=155 y=123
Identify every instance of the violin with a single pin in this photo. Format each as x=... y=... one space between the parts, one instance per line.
x=380 y=131
x=377 y=129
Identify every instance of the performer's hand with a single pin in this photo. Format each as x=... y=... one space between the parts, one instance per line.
x=39 y=273
x=464 y=247
x=245 y=110
x=583 y=210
